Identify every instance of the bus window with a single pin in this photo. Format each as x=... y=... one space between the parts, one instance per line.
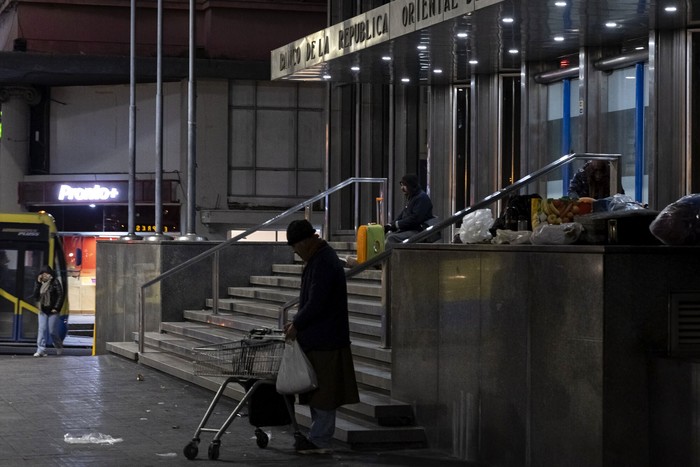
x=8 y=273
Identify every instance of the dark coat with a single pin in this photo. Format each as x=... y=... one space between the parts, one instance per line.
x=322 y=319
x=417 y=211
x=323 y=331
x=55 y=292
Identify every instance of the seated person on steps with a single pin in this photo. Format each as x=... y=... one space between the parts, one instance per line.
x=417 y=210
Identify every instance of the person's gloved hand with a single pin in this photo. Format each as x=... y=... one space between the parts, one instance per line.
x=389 y=228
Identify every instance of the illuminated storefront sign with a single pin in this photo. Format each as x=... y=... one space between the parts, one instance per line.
x=93 y=193
x=79 y=192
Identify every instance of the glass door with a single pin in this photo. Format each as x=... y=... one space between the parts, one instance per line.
x=19 y=267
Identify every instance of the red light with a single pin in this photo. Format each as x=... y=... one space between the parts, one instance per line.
x=564 y=63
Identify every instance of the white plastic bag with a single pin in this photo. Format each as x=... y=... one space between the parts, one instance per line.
x=296 y=375
x=513 y=237
x=475 y=226
x=562 y=234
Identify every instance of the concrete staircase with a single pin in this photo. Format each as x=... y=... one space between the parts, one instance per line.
x=377 y=422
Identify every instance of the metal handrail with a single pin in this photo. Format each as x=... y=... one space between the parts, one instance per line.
x=214 y=250
x=456 y=217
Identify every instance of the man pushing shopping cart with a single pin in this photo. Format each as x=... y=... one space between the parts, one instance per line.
x=320 y=328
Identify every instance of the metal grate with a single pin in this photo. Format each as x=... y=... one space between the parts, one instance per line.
x=685 y=323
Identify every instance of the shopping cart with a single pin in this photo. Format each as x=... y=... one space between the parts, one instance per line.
x=253 y=363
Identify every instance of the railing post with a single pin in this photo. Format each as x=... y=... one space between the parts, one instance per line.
x=386 y=305
x=142 y=319
x=215 y=283
x=614 y=171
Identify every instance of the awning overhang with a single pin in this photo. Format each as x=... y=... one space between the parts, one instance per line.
x=448 y=41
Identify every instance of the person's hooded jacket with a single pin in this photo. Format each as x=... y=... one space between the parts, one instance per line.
x=418 y=208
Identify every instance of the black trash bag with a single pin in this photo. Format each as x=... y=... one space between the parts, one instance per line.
x=679 y=222
x=518 y=208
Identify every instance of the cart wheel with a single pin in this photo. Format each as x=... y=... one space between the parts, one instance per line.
x=261 y=438
x=214 y=451
x=191 y=450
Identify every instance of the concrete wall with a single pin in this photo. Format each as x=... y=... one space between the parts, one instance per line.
x=524 y=355
x=123 y=267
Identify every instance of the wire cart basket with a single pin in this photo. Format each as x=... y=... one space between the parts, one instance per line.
x=253 y=363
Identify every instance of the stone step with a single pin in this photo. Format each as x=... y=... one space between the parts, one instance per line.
x=369 y=377
x=222 y=328
x=296 y=269
x=245 y=306
x=370 y=306
x=367 y=328
x=259 y=293
x=367 y=289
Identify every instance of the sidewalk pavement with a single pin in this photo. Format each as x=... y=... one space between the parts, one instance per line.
x=79 y=410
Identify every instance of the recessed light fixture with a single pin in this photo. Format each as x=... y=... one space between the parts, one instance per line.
x=559 y=38
x=326 y=76
x=386 y=58
x=512 y=51
x=560 y=4
x=611 y=24
x=355 y=68
x=462 y=34
x=473 y=61
x=437 y=71
x=405 y=80
x=670 y=9
x=507 y=20
x=422 y=47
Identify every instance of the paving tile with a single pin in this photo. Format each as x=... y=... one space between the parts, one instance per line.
x=154 y=416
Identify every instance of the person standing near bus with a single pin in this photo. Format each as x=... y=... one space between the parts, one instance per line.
x=49 y=294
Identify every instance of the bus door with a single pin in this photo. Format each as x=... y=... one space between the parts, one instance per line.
x=19 y=267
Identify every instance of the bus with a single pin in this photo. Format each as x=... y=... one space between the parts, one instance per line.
x=27 y=241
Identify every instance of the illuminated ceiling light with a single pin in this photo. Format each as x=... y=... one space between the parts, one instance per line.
x=611 y=24
x=512 y=51
x=422 y=47
x=405 y=80
x=473 y=61
x=670 y=9
x=559 y=38
x=91 y=205
x=462 y=35
x=326 y=76
x=507 y=20
x=639 y=47
x=355 y=68
x=386 y=58
x=437 y=71
x=560 y=4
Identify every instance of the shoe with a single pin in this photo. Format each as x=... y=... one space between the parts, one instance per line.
x=40 y=354
x=303 y=446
